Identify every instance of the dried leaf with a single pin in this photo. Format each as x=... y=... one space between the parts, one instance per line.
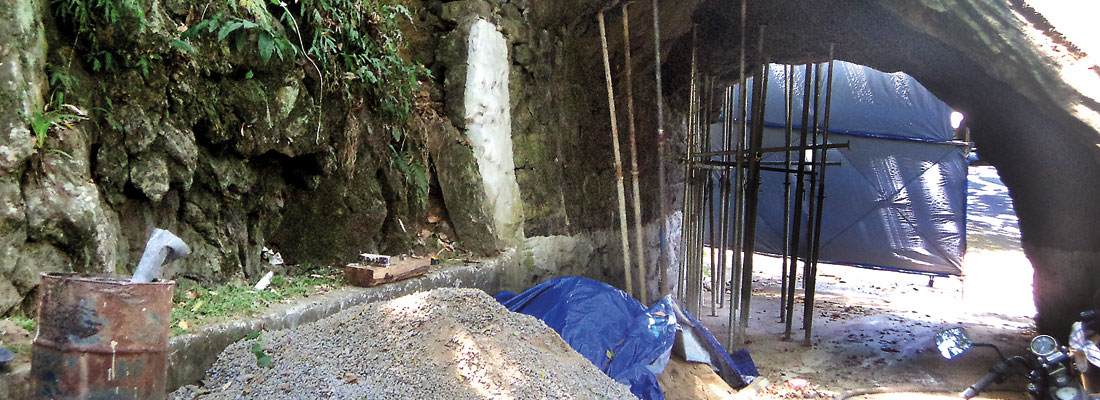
x=183 y=325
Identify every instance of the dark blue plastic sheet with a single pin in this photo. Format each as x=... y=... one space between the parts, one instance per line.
x=867 y=102
x=627 y=341
x=898 y=198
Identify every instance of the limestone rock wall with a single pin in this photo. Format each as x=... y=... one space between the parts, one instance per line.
x=235 y=154
x=228 y=151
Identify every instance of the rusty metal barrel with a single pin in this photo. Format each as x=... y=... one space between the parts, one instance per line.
x=101 y=337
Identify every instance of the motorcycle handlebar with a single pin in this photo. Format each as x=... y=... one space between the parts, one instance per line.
x=994 y=375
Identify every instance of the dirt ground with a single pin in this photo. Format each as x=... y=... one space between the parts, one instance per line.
x=875 y=329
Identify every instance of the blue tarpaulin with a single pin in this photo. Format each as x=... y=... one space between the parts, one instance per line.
x=898 y=198
x=626 y=340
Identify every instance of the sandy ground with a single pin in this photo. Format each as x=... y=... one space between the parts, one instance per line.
x=875 y=329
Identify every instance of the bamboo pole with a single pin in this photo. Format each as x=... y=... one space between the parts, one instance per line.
x=736 y=337
x=811 y=279
x=662 y=259
x=639 y=244
x=618 y=157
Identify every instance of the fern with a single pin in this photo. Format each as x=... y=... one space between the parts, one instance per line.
x=40 y=126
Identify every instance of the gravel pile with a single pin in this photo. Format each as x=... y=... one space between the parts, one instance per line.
x=443 y=344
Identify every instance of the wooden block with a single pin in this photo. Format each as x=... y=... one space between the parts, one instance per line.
x=367 y=276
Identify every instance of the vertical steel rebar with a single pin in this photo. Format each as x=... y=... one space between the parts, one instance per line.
x=727 y=134
x=662 y=259
x=618 y=157
x=709 y=199
x=752 y=187
x=799 y=195
x=687 y=231
x=811 y=279
x=788 y=129
x=736 y=337
x=639 y=243
x=693 y=296
x=812 y=209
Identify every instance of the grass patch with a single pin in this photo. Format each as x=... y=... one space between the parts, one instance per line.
x=23 y=322
x=200 y=305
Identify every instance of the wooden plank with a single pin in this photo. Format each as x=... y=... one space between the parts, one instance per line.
x=400 y=269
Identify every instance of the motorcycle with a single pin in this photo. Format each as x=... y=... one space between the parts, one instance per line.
x=1053 y=371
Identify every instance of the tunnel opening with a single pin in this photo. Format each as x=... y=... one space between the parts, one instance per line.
x=1028 y=138
x=1023 y=120
x=865 y=317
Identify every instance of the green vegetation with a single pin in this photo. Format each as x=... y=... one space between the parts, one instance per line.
x=354 y=44
x=40 y=126
x=359 y=43
x=416 y=175
x=239 y=31
x=200 y=305
x=262 y=359
x=85 y=15
x=23 y=322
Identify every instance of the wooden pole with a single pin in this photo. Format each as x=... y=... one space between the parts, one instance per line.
x=639 y=243
x=618 y=157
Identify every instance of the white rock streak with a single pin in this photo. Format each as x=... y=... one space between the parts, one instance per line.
x=489 y=126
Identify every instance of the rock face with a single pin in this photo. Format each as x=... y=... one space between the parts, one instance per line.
x=203 y=137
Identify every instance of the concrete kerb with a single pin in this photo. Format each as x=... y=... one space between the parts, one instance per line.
x=193 y=354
